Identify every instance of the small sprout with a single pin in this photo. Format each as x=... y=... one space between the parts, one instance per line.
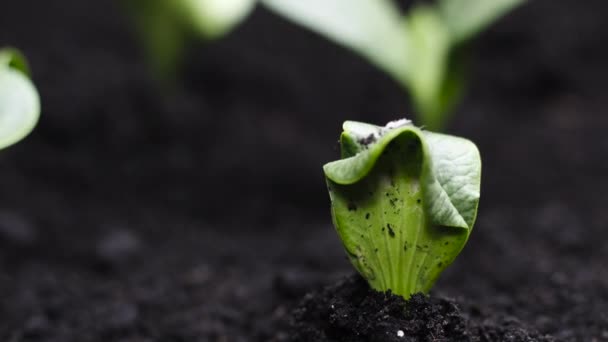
x=19 y=100
x=415 y=206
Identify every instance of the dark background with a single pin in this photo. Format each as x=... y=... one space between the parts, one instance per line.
x=136 y=214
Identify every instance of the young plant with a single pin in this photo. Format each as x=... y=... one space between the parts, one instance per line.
x=426 y=51
x=403 y=202
x=19 y=100
x=168 y=26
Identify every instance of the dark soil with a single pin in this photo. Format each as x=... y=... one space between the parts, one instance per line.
x=351 y=311
x=200 y=214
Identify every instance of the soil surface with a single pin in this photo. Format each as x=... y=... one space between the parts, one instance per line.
x=199 y=213
x=351 y=311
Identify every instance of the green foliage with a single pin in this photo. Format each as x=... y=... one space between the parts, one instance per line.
x=424 y=51
x=19 y=100
x=168 y=26
x=467 y=18
x=403 y=202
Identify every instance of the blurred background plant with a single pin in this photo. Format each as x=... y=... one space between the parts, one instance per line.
x=167 y=27
x=426 y=50
x=19 y=100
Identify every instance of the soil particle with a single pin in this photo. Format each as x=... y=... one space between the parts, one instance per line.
x=16 y=229
x=391 y=232
x=370 y=139
x=294 y=284
x=118 y=315
x=118 y=246
x=36 y=326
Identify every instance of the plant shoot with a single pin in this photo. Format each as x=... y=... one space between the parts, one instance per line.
x=403 y=202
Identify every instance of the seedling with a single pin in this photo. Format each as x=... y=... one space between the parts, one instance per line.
x=403 y=202
x=426 y=51
x=19 y=100
x=168 y=26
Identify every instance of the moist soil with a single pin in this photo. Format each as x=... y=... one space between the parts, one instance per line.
x=197 y=211
x=351 y=311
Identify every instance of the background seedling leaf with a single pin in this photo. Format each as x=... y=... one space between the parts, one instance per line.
x=166 y=27
x=19 y=100
x=213 y=18
x=14 y=59
x=467 y=18
x=430 y=45
x=424 y=50
x=373 y=28
x=405 y=204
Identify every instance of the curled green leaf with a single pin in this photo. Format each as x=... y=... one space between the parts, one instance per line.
x=404 y=202
x=19 y=100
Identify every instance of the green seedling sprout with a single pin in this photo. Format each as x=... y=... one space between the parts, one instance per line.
x=19 y=100
x=426 y=51
x=403 y=202
x=167 y=27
